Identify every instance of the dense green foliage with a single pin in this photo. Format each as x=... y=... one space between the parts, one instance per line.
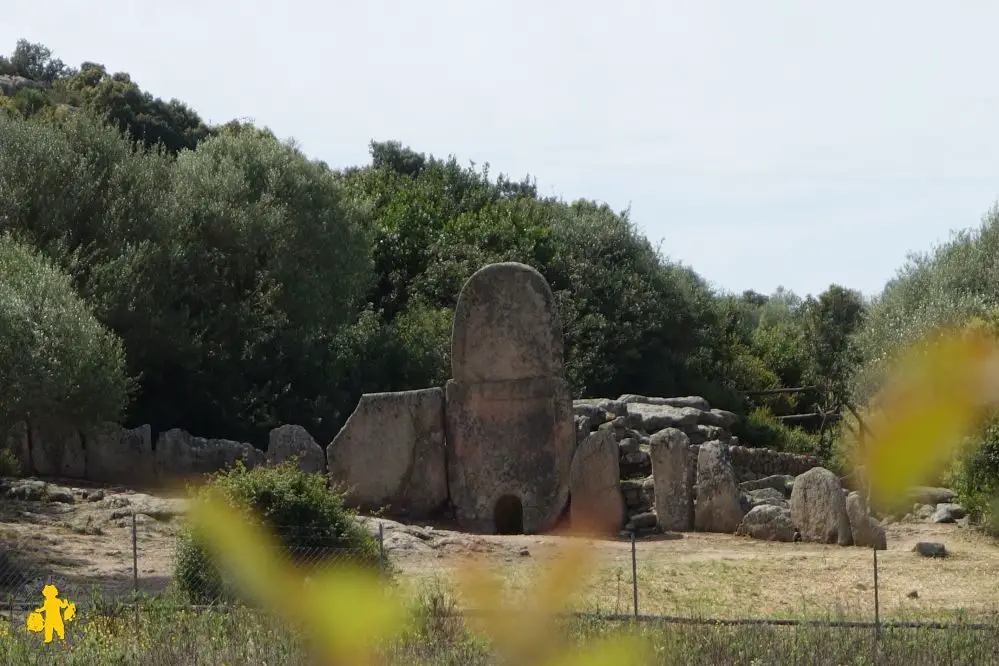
x=252 y=286
x=308 y=519
x=56 y=360
x=956 y=284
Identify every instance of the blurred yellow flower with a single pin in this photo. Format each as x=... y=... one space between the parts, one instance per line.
x=935 y=397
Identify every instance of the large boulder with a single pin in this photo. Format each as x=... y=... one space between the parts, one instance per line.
x=865 y=530
x=179 y=455
x=717 y=508
x=767 y=496
x=947 y=512
x=596 y=504
x=509 y=414
x=294 y=441
x=818 y=508
x=119 y=455
x=930 y=495
x=767 y=522
x=390 y=453
x=653 y=418
x=671 y=476
x=694 y=401
x=57 y=450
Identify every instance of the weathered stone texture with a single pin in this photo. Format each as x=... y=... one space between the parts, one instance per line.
x=596 y=503
x=670 y=471
x=390 y=452
x=509 y=416
x=818 y=508
x=767 y=522
x=58 y=451
x=294 y=441
x=179 y=454
x=717 y=508
x=119 y=455
x=865 y=530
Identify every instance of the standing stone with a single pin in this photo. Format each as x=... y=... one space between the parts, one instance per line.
x=390 y=453
x=865 y=530
x=718 y=508
x=179 y=455
x=510 y=430
x=294 y=441
x=58 y=451
x=596 y=504
x=818 y=508
x=118 y=455
x=671 y=475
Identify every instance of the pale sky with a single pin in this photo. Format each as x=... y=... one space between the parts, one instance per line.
x=765 y=143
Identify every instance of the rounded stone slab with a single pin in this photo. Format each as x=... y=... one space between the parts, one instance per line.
x=506 y=326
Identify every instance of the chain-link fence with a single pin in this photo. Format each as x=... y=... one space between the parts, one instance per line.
x=143 y=562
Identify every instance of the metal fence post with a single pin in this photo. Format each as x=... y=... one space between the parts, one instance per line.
x=135 y=572
x=877 y=608
x=634 y=574
x=381 y=548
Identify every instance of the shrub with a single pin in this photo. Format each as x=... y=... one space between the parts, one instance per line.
x=56 y=360
x=975 y=478
x=308 y=518
x=763 y=429
x=9 y=466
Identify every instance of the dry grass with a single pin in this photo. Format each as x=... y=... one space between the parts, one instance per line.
x=712 y=575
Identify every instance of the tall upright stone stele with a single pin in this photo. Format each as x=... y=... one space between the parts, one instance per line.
x=510 y=435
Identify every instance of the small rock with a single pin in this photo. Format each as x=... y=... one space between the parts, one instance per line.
x=628 y=445
x=524 y=552
x=930 y=549
x=913 y=595
x=947 y=513
x=62 y=496
x=644 y=521
x=923 y=511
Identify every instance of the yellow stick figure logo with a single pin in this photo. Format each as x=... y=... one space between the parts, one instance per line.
x=50 y=617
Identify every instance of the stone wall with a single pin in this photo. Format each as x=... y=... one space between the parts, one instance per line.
x=109 y=453
x=635 y=419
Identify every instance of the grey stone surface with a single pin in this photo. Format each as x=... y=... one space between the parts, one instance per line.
x=510 y=429
x=391 y=452
x=596 y=503
x=767 y=522
x=717 y=508
x=671 y=476
x=57 y=451
x=818 y=508
x=866 y=531
x=179 y=455
x=289 y=441
x=120 y=455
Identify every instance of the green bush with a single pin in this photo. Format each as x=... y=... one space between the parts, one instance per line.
x=9 y=466
x=975 y=478
x=307 y=517
x=56 y=360
x=763 y=430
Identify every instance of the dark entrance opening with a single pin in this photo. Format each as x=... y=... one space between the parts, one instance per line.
x=508 y=516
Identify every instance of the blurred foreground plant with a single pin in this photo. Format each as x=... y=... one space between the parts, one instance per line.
x=938 y=394
x=347 y=613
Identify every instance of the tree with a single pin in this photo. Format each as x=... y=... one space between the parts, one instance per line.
x=57 y=362
x=268 y=259
x=829 y=323
x=35 y=62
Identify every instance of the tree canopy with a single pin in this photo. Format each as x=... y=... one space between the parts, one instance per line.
x=252 y=286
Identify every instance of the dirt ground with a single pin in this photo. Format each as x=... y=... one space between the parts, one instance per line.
x=86 y=541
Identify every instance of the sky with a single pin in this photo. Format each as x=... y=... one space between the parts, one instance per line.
x=765 y=144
